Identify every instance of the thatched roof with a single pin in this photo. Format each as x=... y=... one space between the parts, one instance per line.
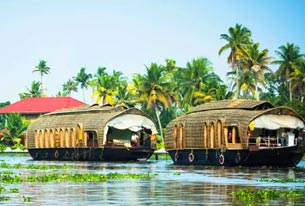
x=89 y=115
x=233 y=104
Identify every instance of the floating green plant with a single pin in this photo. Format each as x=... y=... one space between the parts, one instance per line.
x=68 y=177
x=251 y=196
x=14 y=190
x=3 y=198
x=5 y=165
x=285 y=180
x=2 y=190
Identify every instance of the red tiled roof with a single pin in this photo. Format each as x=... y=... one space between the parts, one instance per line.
x=40 y=105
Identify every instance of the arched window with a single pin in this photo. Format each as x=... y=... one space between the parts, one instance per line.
x=41 y=138
x=205 y=135
x=181 y=135
x=212 y=136
x=175 y=137
x=51 y=136
x=219 y=134
x=67 y=138
x=36 y=138
x=46 y=138
x=61 y=138
x=56 y=138
x=73 y=137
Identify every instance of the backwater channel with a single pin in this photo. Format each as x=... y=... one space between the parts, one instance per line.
x=169 y=184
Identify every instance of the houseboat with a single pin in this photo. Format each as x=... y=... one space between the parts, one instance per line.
x=97 y=133
x=237 y=132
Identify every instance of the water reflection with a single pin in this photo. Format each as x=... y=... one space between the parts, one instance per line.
x=173 y=185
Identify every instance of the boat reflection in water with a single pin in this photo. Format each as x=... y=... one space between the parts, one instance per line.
x=237 y=132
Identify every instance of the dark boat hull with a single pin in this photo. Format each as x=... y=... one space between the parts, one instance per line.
x=110 y=153
x=278 y=157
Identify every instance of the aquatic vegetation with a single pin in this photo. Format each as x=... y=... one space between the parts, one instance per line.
x=5 y=165
x=68 y=177
x=251 y=196
x=285 y=180
x=4 y=198
x=2 y=190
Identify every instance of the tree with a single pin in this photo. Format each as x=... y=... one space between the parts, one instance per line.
x=237 y=39
x=105 y=86
x=15 y=127
x=289 y=59
x=69 y=87
x=256 y=62
x=195 y=81
x=152 y=90
x=83 y=79
x=298 y=79
x=34 y=91
x=42 y=69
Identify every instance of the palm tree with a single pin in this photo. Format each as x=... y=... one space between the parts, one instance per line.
x=237 y=39
x=289 y=59
x=83 y=79
x=34 y=91
x=256 y=61
x=42 y=69
x=152 y=90
x=15 y=126
x=69 y=87
x=195 y=81
x=298 y=78
x=105 y=86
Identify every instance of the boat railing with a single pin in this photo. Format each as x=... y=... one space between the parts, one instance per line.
x=271 y=142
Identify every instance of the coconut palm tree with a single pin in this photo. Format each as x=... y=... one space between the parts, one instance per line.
x=195 y=81
x=42 y=69
x=289 y=59
x=237 y=39
x=83 y=79
x=256 y=61
x=105 y=86
x=69 y=87
x=298 y=79
x=152 y=90
x=34 y=91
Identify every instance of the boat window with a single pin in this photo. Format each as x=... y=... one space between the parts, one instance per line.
x=46 y=138
x=231 y=134
x=205 y=135
x=212 y=136
x=175 y=135
x=219 y=134
x=181 y=136
x=91 y=137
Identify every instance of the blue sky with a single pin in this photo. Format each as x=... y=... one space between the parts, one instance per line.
x=127 y=35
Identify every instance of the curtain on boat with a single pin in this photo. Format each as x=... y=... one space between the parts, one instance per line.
x=273 y=122
x=132 y=122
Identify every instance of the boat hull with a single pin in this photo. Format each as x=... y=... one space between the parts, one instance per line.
x=277 y=157
x=91 y=154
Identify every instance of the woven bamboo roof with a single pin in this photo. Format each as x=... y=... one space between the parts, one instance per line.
x=233 y=104
x=89 y=115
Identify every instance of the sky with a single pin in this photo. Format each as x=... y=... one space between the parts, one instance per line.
x=126 y=35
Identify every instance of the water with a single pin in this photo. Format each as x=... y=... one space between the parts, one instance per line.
x=172 y=185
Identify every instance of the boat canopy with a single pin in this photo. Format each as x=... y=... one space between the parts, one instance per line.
x=273 y=122
x=132 y=122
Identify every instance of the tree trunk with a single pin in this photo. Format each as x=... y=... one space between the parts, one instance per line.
x=237 y=81
x=290 y=90
x=159 y=122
